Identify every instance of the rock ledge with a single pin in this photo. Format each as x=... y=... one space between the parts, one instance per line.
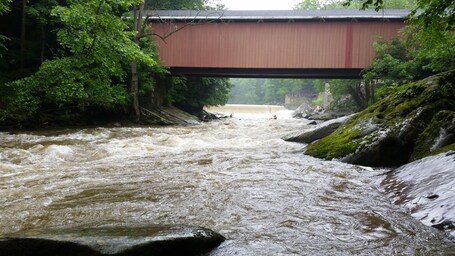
x=123 y=240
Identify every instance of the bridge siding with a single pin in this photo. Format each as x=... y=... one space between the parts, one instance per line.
x=272 y=45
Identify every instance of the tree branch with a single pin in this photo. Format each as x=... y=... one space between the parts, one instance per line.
x=192 y=22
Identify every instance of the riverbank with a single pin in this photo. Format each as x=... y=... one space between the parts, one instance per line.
x=413 y=132
x=59 y=120
x=415 y=121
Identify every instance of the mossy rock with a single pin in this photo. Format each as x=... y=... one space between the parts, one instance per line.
x=389 y=132
x=439 y=136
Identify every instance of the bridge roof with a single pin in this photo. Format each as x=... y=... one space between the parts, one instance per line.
x=277 y=15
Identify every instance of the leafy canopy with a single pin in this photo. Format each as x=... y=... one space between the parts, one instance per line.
x=4 y=7
x=95 y=56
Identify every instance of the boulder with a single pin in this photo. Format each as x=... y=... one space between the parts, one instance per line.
x=328 y=115
x=320 y=131
x=120 y=240
x=437 y=137
x=413 y=122
x=425 y=187
x=303 y=110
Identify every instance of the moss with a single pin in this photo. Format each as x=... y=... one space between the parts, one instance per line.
x=428 y=137
x=338 y=144
x=404 y=117
x=447 y=148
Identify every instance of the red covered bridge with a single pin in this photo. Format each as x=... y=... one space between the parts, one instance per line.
x=280 y=44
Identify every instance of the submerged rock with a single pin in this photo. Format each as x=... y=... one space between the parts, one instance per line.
x=320 y=131
x=426 y=188
x=153 y=240
x=415 y=121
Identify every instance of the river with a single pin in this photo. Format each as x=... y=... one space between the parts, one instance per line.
x=235 y=176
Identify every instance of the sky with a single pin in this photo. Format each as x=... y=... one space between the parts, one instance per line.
x=259 y=4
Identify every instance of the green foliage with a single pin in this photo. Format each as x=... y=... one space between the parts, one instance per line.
x=19 y=101
x=338 y=144
x=192 y=94
x=352 y=4
x=97 y=49
x=4 y=7
x=436 y=15
x=179 y=4
x=319 y=101
x=66 y=82
x=411 y=56
x=247 y=91
x=309 y=5
x=93 y=29
x=41 y=10
x=266 y=91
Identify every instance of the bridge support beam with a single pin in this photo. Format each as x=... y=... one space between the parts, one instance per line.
x=302 y=73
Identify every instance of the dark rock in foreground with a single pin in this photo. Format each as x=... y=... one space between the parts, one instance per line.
x=124 y=241
x=319 y=132
x=415 y=121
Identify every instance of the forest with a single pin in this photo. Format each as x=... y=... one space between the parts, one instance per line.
x=68 y=60
x=63 y=61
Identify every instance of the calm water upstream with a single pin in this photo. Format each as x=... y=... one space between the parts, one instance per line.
x=235 y=176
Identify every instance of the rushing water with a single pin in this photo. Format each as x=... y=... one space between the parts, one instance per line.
x=235 y=176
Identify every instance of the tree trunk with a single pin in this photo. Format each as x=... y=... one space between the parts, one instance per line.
x=23 y=27
x=138 y=10
x=358 y=96
x=43 y=41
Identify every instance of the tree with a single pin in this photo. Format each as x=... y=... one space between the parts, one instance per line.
x=97 y=49
x=138 y=24
x=182 y=4
x=267 y=91
x=81 y=56
x=425 y=47
x=429 y=13
x=41 y=12
x=193 y=93
x=409 y=57
x=4 y=7
x=353 y=4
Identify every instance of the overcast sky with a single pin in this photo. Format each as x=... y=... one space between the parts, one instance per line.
x=259 y=4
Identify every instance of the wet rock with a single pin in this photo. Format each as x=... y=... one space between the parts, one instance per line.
x=304 y=110
x=321 y=131
x=121 y=241
x=440 y=133
x=425 y=187
x=167 y=116
x=416 y=122
x=327 y=115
